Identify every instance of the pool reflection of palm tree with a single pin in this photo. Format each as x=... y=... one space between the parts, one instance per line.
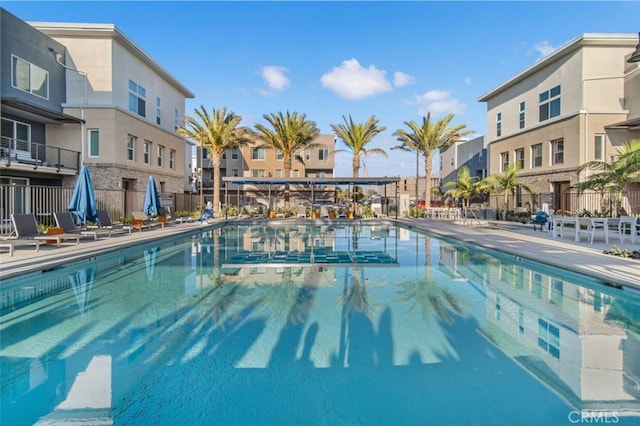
x=286 y=299
x=428 y=296
x=355 y=296
x=228 y=302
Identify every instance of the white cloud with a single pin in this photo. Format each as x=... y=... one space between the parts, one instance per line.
x=352 y=82
x=438 y=102
x=544 y=48
x=401 y=79
x=275 y=77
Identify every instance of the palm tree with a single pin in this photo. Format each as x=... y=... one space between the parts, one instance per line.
x=428 y=138
x=215 y=132
x=614 y=177
x=505 y=183
x=288 y=134
x=465 y=187
x=356 y=136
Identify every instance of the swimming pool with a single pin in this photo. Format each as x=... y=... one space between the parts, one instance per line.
x=365 y=324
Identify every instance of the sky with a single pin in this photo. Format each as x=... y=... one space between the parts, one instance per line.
x=396 y=61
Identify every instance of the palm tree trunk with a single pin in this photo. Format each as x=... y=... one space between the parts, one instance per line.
x=216 y=184
x=355 y=164
x=427 y=179
x=287 y=173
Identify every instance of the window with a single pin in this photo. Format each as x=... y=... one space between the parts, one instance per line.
x=323 y=154
x=257 y=173
x=137 y=103
x=160 y=156
x=499 y=124
x=234 y=172
x=147 y=153
x=520 y=158
x=520 y=320
x=550 y=103
x=536 y=156
x=279 y=155
x=131 y=148
x=307 y=154
x=257 y=153
x=94 y=142
x=452 y=162
x=176 y=120
x=278 y=172
x=322 y=174
x=19 y=135
x=172 y=159
x=30 y=78
x=296 y=154
x=504 y=161
x=557 y=151
x=549 y=338
x=158 y=111
x=234 y=153
x=598 y=153
x=521 y=116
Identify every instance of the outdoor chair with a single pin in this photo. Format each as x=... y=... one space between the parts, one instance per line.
x=65 y=221
x=377 y=212
x=626 y=225
x=141 y=221
x=26 y=227
x=324 y=212
x=302 y=212
x=104 y=222
x=540 y=219
x=12 y=243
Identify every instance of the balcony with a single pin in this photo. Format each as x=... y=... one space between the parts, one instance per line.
x=21 y=154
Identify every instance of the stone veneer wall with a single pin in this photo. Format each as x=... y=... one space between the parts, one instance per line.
x=105 y=176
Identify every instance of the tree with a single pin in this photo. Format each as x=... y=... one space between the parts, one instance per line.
x=215 y=132
x=465 y=187
x=428 y=138
x=504 y=183
x=288 y=134
x=613 y=177
x=356 y=136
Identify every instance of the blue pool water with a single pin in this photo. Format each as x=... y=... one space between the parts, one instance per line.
x=306 y=325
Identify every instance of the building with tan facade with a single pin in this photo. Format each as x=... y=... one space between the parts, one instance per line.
x=578 y=104
x=130 y=105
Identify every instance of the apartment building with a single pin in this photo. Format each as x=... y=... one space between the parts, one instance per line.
x=464 y=153
x=579 y=104
x=33 y=91
x=130 y=107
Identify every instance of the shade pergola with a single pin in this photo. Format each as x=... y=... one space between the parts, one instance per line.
x=311 y=182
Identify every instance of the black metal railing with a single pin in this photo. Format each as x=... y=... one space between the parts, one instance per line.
x=21 y=152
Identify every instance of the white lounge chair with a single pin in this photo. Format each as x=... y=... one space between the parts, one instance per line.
x=26 y=228
x=377 y=212
x=12 y=243
x=104 y=222
x=141 y=221
x=302 y=212
x=65 y=221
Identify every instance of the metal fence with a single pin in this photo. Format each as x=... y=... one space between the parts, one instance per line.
x=43 y=201
x=572 y=203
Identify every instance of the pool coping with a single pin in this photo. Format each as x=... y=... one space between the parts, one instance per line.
x=504 y=237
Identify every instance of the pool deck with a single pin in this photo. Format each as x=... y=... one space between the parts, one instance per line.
x=512 y=238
